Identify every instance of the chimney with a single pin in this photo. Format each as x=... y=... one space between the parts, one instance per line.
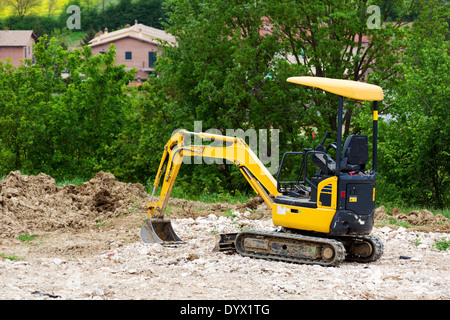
x=106 y=30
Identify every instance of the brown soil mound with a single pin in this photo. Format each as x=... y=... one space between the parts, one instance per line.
x=252 y=203
x=32 y=204
x=421 y=220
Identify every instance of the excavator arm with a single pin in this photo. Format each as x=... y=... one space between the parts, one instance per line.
x=232 y=149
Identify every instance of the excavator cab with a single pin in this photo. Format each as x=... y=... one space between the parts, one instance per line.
x=340 y=198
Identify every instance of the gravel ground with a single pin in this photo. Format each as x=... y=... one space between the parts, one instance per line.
x=104 y=259
x=193 y=271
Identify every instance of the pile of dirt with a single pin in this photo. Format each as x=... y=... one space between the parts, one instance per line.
x=35 y=204
x=420 y=220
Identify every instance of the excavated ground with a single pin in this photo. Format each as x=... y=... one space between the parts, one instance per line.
x=83 y=242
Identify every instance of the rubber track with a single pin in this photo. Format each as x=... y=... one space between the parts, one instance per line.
x=338 y=247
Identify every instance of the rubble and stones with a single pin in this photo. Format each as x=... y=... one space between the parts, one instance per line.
x=87 y=246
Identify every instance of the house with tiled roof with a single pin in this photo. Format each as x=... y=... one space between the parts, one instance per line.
x=137 y=46
x=17 y=45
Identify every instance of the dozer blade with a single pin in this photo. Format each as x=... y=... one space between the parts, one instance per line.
x=159 y=230
x=225 y=242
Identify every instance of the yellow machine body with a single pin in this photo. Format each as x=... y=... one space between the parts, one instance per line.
x=310 y=219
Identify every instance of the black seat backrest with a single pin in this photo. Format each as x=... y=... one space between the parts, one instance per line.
x=356 y=150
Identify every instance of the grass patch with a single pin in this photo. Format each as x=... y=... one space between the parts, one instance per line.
x=76 y=36
x=41 y=9
x=12 y=258
x=27 y=237
x=442 y=245
x=397 y=223
x=76 y=181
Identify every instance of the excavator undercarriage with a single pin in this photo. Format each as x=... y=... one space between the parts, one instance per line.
x=325 y=219
x=299 y=248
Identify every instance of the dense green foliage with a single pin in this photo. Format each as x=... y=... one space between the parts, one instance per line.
x=415 y=156
x=112 y=16
x=60 y=125
x=228 y=71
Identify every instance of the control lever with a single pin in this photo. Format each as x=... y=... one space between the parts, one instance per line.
x=320 y=146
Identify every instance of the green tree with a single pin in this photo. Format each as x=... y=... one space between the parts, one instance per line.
x=338 y=39
x=88 y=116
x=415 y=152
x=22 y=7
x=61 y=114
x=22 y=117
x=149 y=121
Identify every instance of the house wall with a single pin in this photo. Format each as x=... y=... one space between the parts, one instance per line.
x=139 y=54
x=17 y=53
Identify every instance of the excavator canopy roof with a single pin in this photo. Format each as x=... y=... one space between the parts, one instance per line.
x=347 y=88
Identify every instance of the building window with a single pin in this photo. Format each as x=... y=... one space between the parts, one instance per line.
x=25 y=51
x=127 y=55
x=151 y=59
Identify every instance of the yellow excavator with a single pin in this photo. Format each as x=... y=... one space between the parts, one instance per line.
x=323 y=219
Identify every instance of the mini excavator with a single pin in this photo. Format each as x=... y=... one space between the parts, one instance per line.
x=324 y=219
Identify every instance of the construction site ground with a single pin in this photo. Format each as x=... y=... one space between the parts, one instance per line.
x=83 y=242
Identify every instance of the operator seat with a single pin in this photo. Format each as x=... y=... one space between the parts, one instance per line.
x=355 y=155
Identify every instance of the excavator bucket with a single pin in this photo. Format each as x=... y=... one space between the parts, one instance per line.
x=159 y=230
